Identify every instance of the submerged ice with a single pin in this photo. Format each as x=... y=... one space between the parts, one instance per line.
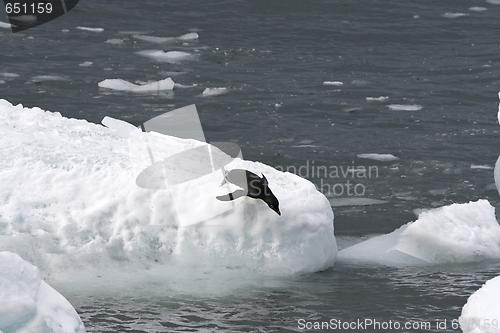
x=70 y=205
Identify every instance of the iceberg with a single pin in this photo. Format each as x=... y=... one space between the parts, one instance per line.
x=29 y=304
x=122 y=85
x=451 y=234
x=481 y=313
x=71 y=206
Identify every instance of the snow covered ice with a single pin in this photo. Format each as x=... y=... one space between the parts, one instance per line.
x=30 y=305
x=451 y=234
x=71 y=206
x=481 y=313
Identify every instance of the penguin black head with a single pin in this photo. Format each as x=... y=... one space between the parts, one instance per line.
x=273 y=203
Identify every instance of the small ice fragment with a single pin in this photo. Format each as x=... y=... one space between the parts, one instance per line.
x=214 y=91
x=2 y=82
x=183 y=86
x=189 y=36
x=5 y=25
x=41 y=78
x=478 y=9
x=160 y=40
x=402 y=107
x=65 y=30
x=493 y=2
x=379 y=157
x=9 y=75
x=381 y=98
x=91 y=29
x=357 y=201
x=122 y=85
x=114 y=41
x=453 y=15
x=484 y=167
x=333 y=83
x=171 y=56
x=86 y=64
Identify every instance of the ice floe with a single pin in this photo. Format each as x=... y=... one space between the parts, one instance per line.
x=170 y=56
x=90 y=29
x=70 y=204
x=162 y=40
x=333 y=83
x=405 y=107
x=214 y=92
x=453 y=15
x=451 y=234
x=122 y=85
x=378 y=99
x=378 y=157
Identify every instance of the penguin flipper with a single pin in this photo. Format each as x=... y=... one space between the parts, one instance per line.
x=232 y=196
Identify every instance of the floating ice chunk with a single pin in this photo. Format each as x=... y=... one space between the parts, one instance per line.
x=69 y=203
x=42 y=78
x=5 y=25
x=86 y=64
x=2 y=82
x=9 y=75
x=496 y=173
x=214 y=91
x=29 y=304
x=481 y=313
x=453 y=15
x=498 y=114
x=184 y=86
x=483 y=167
x=379 y=99
x=122 y=85
x=403 y=107
x=478 y=9
x=379 y=157
x=355 y=201
x=161 y=40
x=455 y=233
x=90 y=29
x=170 y=56
x=333 y=83
x=493 y=2
x=114 y=41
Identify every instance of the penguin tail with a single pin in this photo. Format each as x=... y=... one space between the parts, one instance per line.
x=232 y=196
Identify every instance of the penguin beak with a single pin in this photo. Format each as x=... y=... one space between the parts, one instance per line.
x=278 y=211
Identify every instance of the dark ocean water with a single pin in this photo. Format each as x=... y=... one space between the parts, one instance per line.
x=274 y=57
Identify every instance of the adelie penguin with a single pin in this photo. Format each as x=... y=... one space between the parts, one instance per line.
x=252 y=186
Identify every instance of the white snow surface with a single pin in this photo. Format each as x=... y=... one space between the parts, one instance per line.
x=481 y=313
x=70 y=205
x=28 y=304
x=450 y=234
x=122 y=85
